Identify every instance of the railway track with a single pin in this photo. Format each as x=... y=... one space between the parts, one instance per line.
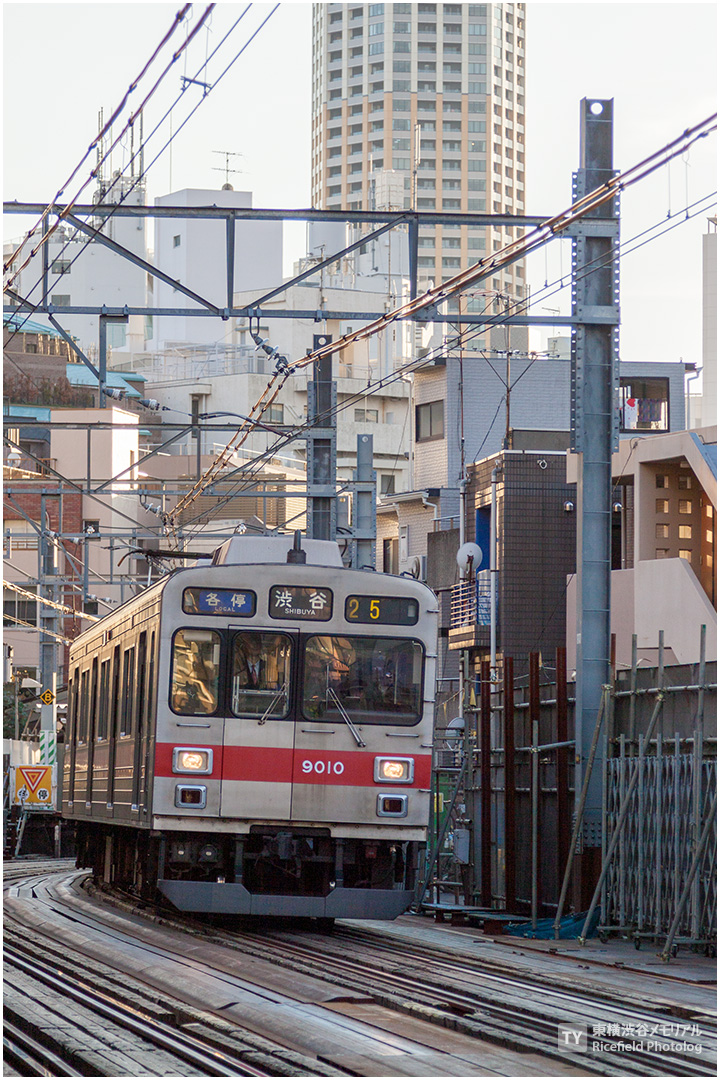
x=486 y=1003
x=479 y=998
x=472 y=997
x=163 y=1047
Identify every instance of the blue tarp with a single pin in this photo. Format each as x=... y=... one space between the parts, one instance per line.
x=570 y=927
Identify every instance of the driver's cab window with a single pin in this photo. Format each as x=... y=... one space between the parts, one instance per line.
x=260 y=674
x=195 y=672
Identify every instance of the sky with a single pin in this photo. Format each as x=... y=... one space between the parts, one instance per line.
x=63 y=63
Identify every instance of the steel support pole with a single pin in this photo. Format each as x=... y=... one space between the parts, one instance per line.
x=47 y=618
x=321 y=444
x=594 y=434
x=485 y=740
x=364 y=515
x=509 y=742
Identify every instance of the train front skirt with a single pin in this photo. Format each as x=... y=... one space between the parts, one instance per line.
x=231 y=898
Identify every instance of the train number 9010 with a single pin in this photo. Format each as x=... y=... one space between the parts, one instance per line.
x=321 y=767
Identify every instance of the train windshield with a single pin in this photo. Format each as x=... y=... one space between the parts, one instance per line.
x=370 y=679
x=260 y=674
x=195 y=672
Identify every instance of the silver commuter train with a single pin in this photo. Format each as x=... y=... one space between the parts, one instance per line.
x=254 y=736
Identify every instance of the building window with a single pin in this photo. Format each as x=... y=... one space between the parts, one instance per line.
x=176 y=241
x=60 y=266
x=387 y=483
x=644 y=404
x=390 y=556
x=662 y=532
x=276 y=414
x=661 y=553
x=685 y=506
x=661 y=480
x=684 y=532
x=684 y=483
x=366 y=416
x=429 y=421
x=684 y=553
x=662 y=506
x=18 y=609
x=60 y=300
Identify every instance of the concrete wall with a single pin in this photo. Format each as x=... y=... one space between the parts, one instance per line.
x=656 y=595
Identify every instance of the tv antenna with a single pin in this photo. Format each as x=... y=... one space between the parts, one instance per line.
x=227 y=186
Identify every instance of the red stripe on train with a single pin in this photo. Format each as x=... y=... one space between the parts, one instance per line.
x=284 y=766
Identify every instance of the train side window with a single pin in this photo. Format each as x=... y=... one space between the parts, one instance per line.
x=74 y=699
x=93 y=705
x=260 y=674
x=82 y=722
x=143 y=690
x=128 y=697
x=195 y=672
x=115 y=694
x=101 y=730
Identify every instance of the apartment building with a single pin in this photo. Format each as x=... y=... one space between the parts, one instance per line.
x=434 y=93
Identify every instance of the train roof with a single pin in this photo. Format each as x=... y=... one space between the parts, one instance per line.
x=239 y=550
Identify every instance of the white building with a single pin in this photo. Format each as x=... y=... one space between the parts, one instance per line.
x=193 y=251
x=84 y=273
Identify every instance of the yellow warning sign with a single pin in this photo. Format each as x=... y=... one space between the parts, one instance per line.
x=47 y=697
x=33 y=785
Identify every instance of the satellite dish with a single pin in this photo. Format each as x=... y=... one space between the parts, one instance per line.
x=414 y=566
x=469 y=558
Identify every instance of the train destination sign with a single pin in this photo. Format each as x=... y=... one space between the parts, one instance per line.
x=300 y=602
x=390 y=610
x=219 y=602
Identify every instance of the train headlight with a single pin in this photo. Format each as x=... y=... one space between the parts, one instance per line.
x=394 y=770
x=191 y=759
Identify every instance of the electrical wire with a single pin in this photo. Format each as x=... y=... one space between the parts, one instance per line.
x=48 y=603
x=178 y=18
x=173 y=135
x=39 y=629
x=510 y=253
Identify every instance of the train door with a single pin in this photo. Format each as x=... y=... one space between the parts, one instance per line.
x=330 y=755
x=113 y=724
x=144 y=691
x=91 y=733
x=259 y=732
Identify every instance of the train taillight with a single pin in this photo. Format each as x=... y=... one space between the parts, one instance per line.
x=392 y=805
x=191 y=796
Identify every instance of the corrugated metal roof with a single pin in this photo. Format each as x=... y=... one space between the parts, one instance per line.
x=15 y=320
x=708 y=451
x=79 y=375
x=27 y=412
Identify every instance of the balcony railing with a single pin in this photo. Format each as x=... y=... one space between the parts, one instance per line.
x=470 y=602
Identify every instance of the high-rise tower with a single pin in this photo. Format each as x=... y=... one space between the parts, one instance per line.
x=436 y=94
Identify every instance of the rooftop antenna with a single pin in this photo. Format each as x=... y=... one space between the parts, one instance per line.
x=227 y=186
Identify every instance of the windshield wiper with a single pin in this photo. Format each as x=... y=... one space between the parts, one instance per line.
x=354 y=731
x=282 y=692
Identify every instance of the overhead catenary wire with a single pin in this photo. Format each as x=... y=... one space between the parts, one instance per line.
x=470 y=333
x=124 y=196
x=177 y=19
x=536 y=238
x=47 y=603
x=38 y=629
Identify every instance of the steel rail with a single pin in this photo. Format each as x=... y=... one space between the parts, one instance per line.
x=25 y=1052
x=209 y=1060
x=511 y=1024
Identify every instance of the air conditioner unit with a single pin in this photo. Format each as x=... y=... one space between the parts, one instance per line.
x=415 y=566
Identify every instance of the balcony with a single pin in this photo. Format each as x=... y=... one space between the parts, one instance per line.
x=470 y=613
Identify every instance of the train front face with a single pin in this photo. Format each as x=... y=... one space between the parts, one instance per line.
x=293 y=750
